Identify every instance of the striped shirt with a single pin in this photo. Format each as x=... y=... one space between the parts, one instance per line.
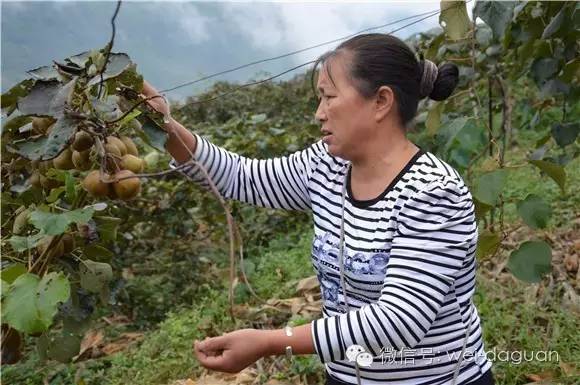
x=409 y=260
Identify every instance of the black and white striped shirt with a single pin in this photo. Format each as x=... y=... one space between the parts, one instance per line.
x=409 y=260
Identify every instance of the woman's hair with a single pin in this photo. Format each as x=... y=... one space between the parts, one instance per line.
x=376 y=59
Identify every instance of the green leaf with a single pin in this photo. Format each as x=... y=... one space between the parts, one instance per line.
x=55 y=193
x=12 y=272
x=38 y=99
x=13 y=123
x=152 y=134
x=554 y=171
x=565 y=133
x=80 y=60
x=454 y=19
x=31 y=303
x=95 y=275
x=20 y=244
x=58 y=223
x=97 y=253
x=431 y=53
x=70 y=183
x=49 y=148
x=534 y=211
x=54 y=288
x=449 y=131
x=107 y=228
x=487 y=244
x=543 y=69
x=118 y=62
x=20 y=90
x=434 y=118
x=44 y=73
x=531 y=261
x=496 y=14
x=64 y=347
x=5 y=287
x=554 y=24
x=61 y=99
x=130 y=116
x=19 y=308
x=489 y=186
x=481 y=209
x=571 y=71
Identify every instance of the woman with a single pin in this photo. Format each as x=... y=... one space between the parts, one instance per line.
x=404 y=218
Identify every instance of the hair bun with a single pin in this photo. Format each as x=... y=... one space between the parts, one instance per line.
x=446 y=81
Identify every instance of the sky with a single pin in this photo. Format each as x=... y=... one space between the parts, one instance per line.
x=176 y=42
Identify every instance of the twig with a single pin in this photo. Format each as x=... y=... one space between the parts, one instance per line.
x=109 y=46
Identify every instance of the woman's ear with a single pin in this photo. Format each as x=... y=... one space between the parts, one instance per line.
x=384 y=102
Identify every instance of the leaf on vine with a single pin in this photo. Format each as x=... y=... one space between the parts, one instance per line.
x=118 y=62
x=47 y=148
x=454 y=19
x=64 y=347
x=12 y=272
x=434 y=118
x=55 y=193
x=107 y=228
x=554 y=171
x=489 y=186
x=434 y=45
x=53 y=288
x=543 y=69
x=20 y=243
x=496 y=14
x=565 y=133
x=44 y=73
x=15 y=122
x=487 y=244
x=152 y=134
x=20 y=90
x=97 y=253
x=58 y=223
x=38 y=99
x=5 y=287
x=95 y=275
x=554 y=24
x=534 y=211
x=61 y=99
x=531 y=261
x=31 y=303
x=80 y=60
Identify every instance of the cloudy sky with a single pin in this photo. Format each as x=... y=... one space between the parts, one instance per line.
x=175 y=42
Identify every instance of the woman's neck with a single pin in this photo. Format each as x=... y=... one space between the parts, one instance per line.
x=381 y=158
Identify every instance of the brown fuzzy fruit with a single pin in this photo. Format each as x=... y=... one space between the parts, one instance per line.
x=11 y=345
x=64 y=160
x=68 y=242
x=40 y=125
x=83 y=141
x=35 y=179
x=49 y=183
x=131 y=148
x=118 y=143
x=127 y=188
x=94 y=186
x=82 y=160
x=55 y=251
x=132 y=163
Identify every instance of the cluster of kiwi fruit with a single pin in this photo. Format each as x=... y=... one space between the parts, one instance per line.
x=122 y=162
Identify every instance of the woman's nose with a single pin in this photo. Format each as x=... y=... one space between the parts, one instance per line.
x=320 y=114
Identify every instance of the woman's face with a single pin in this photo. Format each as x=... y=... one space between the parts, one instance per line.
x=346 y=117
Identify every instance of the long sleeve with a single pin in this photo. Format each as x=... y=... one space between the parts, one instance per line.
x=435 y=238
x=275 y=183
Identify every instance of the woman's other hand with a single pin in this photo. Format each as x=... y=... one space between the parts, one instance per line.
x=232 y=352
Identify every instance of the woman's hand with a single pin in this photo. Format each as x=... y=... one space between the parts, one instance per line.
x=232 y=352
x=158 y=103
